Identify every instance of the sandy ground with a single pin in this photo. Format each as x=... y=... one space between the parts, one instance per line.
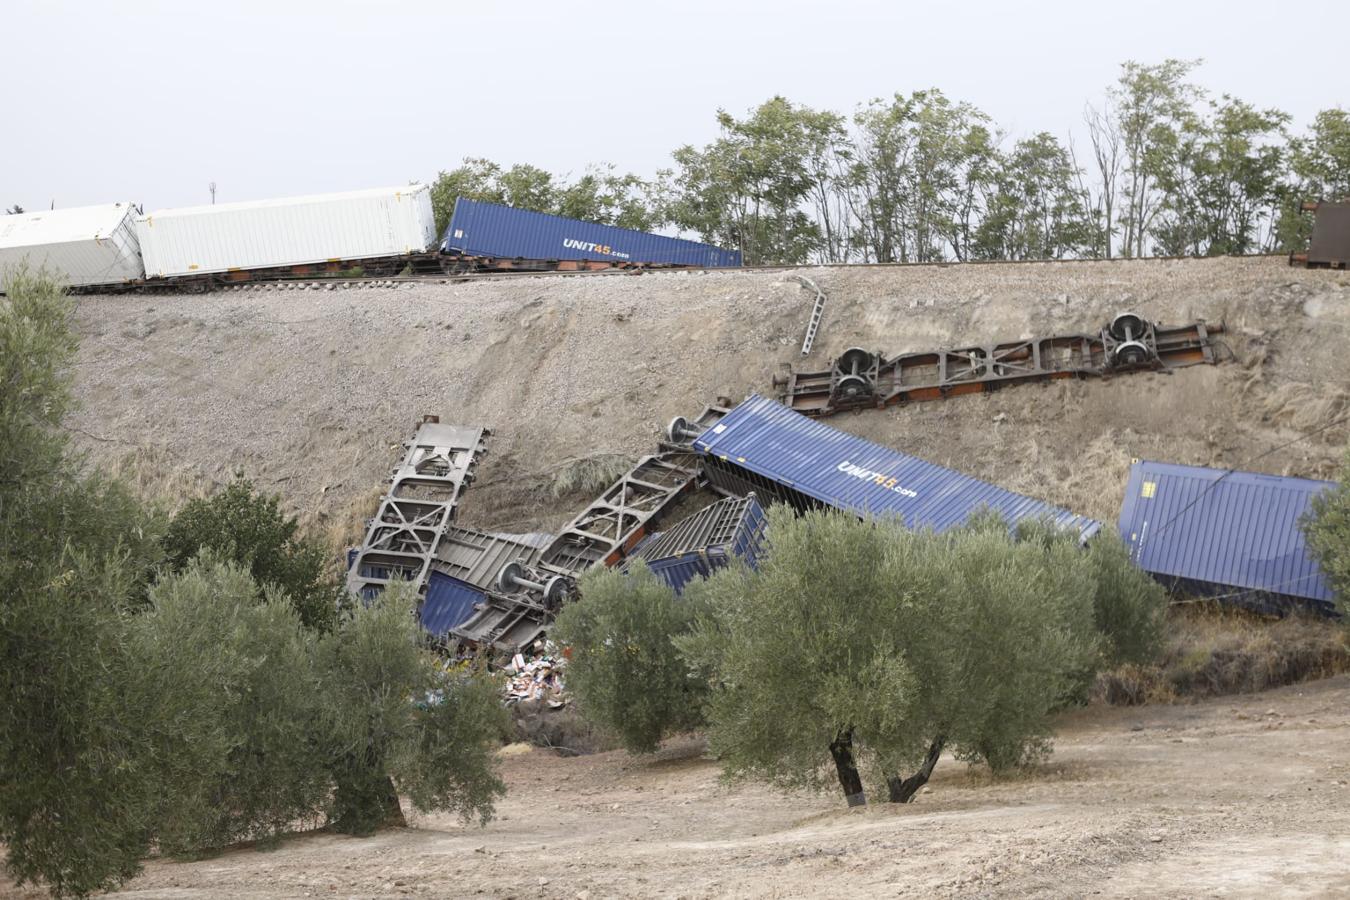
x=310 y=391
x=1238 y=797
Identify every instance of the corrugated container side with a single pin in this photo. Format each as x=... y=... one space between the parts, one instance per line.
x=678 y=571
x=1226 y=534
x=448 y=604
x=763 y=446
x=84 y=246
x=287 y=232
x=488 y=229
x=705 y=541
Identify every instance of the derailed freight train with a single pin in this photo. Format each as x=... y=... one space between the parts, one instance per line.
x=502 y=237
x=379 y=232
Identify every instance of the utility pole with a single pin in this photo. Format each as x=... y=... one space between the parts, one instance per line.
x=212 y=187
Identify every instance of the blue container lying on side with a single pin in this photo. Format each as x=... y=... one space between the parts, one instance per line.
x=704 y=541
x=1233 y=536
x=764 y=447
x=487 y=229
x=448 y=603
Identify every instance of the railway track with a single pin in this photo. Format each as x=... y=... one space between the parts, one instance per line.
x=336 y=282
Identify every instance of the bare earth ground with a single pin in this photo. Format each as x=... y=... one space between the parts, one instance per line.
x=1242 y=797
x=309 y=392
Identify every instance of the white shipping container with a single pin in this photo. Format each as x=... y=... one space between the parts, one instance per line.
x=287 y=232
x=84 y=245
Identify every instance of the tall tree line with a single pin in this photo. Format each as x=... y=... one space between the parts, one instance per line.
x=1158 y=167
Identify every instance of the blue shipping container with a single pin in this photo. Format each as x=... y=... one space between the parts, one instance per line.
x=707 y=540
x=1224 y=534
x=765 y=447
x=487 y=229
x=449 y=603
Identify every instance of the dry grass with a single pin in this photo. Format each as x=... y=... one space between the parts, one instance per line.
x=1211 y=652
x=156 y=474
x=588 y=475
x=348 y=527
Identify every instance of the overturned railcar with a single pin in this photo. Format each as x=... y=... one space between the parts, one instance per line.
x=763 y=447
x=1232 y=536
x=696 y=546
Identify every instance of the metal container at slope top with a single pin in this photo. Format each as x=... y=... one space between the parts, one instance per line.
x=764 y=447
x=292 y=231
x=83 y=246
x=731 y=528
x=1330 y=242
x=489 y=230
x=1224 y=534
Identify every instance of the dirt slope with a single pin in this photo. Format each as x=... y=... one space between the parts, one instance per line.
x=1243 y=797
x=310 y=391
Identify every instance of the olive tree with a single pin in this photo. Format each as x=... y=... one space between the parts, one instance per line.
x=1327 y=528
x=74 y=550
x=625 y=671
x=224 y=689
x=247 y=526
x=872 y=647
x=399 y=720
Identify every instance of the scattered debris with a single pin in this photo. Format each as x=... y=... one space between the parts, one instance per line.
x=538 y=677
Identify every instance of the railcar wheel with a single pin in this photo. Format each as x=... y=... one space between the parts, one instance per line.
x=1131 y=353
x=851 y=387
x=1128 y=327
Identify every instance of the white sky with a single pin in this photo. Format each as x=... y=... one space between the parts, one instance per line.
x=150 y=100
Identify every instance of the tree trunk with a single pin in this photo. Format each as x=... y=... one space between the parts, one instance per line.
x=393 y=810
x=849 y=779
x=903 y=790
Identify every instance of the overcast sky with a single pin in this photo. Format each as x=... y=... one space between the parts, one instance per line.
x=150 y=100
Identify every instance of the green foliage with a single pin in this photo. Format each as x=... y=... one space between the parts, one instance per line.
x=625 y=671
x=249 y=528
x=38 y=346
x=923 y=165
x=1149 y=103
x=203 y=711
x=803 y=650
x=74 y=552
x=600 y=195
x=1319 y=164
x=745 y=189
x=448 y=764
x=1036 y=210
x=1128 y=606
x=903 y=640
x=1218 y=173
x=74 y=784
x=393 y=712
x=922 y=177
x=1327 y=529
x=224 y=689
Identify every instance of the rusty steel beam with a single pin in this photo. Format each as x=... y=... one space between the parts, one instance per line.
x=861 y=379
